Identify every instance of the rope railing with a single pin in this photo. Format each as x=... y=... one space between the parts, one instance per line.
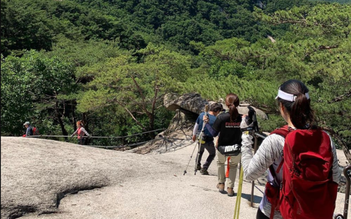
x=112 y=138
x=92 y=136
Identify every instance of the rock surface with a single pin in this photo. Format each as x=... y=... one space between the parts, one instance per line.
x=194 y=103
x=50 y=179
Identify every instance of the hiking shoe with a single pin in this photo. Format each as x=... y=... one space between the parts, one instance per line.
x=198 y=167
x=230 y=191
x=204 y=171
x=220 y=187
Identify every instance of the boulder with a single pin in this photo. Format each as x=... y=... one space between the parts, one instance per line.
x=193 y=102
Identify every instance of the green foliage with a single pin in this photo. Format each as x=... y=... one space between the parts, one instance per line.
x=135 y=87
x=31 y=86
x=110 y=62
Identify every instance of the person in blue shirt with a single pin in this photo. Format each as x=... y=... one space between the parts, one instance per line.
x=206 y=141
x=29 y=129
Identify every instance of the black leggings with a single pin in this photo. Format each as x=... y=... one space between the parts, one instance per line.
x=260 y=215
x=81 y=141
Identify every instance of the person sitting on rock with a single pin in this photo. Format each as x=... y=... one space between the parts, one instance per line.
x=206 y=141
x=29 y=130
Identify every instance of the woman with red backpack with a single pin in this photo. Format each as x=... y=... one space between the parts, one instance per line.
x=303 y=173
x=80 y=132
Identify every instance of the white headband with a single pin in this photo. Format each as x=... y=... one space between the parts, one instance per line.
x=289 y=97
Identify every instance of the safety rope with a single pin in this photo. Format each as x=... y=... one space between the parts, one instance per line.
x=111 y=137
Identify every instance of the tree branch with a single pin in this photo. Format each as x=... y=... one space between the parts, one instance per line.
x=130 y=113
x=142 y=96
x=341 y=97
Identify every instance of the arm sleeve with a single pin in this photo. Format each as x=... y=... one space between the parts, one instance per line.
x=270 y=150
x=213 y=132
x=336 y=169
x=85 y=131
x=27 y=132
x=196 y=127
x=74 y=133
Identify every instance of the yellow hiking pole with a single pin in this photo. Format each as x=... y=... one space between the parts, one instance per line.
x=238 y=195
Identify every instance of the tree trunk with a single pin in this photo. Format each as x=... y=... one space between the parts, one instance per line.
x=58 y=117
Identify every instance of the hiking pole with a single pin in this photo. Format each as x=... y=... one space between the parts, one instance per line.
x=200 y=140
x=238 y=195
x=189 y=160
x=347 y=174
x=253 y=181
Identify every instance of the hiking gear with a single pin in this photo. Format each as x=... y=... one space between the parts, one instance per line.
x=238 y=196
x=80 y=134
x=191 y=156
x=289 y=97
x=198 y=167
x=204 y=171
x=347 y=174
x=228 y=168
x=230 y=150
x=220 y=187
x=35 y=131
x=272 y=189
x=307 y=176
x=250 y=123
x=201 y=139
x=200 y=122
x=230 y=191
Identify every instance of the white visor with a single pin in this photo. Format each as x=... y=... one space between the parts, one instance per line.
x=289 y=97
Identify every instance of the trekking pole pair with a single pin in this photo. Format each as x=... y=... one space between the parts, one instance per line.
x=198 y=144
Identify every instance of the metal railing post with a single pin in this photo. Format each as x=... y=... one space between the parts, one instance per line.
x=253 y=181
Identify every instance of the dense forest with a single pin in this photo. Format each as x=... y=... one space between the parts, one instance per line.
x=110 y=62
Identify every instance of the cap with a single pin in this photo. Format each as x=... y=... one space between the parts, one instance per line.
x=26 y=123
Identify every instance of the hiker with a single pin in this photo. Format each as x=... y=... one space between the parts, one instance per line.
x=80 y=132
x=279 y=158
x=206 y=141
x=227 y=126
x=29 y=129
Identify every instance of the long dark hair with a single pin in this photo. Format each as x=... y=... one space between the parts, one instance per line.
x=232 y=101
x=300 y=111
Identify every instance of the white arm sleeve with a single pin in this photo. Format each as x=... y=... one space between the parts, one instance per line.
x=336 y=169
x=83 y=129
x=270 y=150
x=196 y=126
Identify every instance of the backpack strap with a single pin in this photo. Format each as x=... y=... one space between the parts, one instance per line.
x=283 y=131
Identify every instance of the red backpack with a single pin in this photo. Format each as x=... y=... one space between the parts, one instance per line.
x=307 y=190
x=35 y=131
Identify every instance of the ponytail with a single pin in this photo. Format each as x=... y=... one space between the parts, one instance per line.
x=301 y=114
x=232 y=101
